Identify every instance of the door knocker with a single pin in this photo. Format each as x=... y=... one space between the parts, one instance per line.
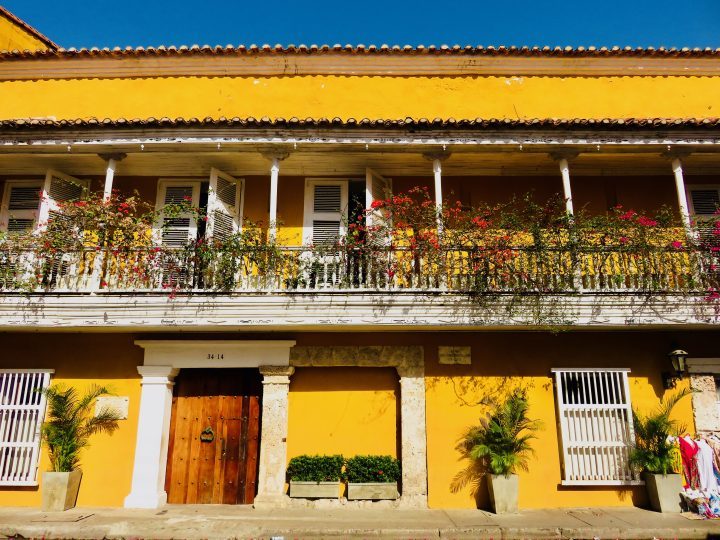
x=207 y=435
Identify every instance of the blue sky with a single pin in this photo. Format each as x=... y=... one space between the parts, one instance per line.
x=104 y=23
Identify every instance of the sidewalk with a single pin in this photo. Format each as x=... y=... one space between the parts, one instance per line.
x=195 y=522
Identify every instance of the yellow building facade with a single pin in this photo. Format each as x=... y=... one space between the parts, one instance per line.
x=360 y=368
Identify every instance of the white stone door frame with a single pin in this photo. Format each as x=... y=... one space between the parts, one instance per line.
x=410 y=365
x=706 y=411
x=163 y=361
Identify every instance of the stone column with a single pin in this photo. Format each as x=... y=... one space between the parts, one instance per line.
x=705 y=402
x=273 y=437
x=413 y=437
x=151 y=449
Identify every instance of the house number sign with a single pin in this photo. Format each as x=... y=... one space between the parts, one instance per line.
x=215 y=356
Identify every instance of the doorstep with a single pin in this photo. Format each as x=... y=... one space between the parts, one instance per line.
x=224 y=521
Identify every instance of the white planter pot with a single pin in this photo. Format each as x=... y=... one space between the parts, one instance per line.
x=372 y=491
x=314 y=490
x=60 y=490
x=663 y=491
x=503 y=493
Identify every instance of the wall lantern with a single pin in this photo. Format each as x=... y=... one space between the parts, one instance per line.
x=677 y=360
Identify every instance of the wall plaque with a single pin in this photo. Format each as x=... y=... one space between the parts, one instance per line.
x=117 y=403
x=454 y=355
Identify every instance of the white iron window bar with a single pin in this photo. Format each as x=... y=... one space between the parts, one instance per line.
x=22 y=410
x=596 y=426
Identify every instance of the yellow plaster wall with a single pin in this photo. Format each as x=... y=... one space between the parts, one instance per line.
x=80 y=361
x=366 y=96
x=14 y=37
x=341 y=410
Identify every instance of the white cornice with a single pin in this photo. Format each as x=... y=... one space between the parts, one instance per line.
x=345 y=65
x=344 y=312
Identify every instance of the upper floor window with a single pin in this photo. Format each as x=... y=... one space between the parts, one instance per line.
x=330 y=204
x=220 y=199
x=28 y=204
x=704 y=201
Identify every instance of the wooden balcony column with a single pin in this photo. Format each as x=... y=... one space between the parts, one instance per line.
x=112 y=161
x=677 y=169
x=275 y=157
x=437 y=158
x=562 y=159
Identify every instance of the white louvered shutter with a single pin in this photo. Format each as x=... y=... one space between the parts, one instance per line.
x=596 y=425
x=59 y=188
x=377 y=188
x=177 y=231
x=326 y=201
x=704 y=202
x=21 y=205
x=22 y=410
x=224 y=209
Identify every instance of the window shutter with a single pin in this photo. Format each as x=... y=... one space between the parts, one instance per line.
x=325 y=203
x=595 y=417
x=20 y=206
x=59 y=188
x=177 y=231
x=22 y=409
x=224 y=208
x=704 y=202
x=377 y=188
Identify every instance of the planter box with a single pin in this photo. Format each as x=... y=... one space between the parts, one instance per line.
x=315 y=490
x=503 y=493
x=372 y=491
x=663 y=491
x=60 y=490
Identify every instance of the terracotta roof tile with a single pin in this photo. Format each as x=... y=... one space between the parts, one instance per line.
x=469 y=50
x=402 y=123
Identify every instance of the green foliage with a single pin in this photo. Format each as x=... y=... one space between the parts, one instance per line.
x=652 y=452
x=372 y=469
x=502 y=440
x=315 y=468
x=70 y=423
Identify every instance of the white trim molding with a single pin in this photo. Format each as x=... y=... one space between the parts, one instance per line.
x=703 y=365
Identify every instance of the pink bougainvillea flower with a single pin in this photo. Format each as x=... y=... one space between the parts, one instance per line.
x=646 y=222
x=623 y=239
x=630 y=214
x=677 y=244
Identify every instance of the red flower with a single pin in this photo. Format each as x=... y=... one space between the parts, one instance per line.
x=623 y=240
x=630 y=214
x=377 y=204
x=646 y=222
x=676 y=244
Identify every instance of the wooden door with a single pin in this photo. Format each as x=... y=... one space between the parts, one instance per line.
x=214 y=437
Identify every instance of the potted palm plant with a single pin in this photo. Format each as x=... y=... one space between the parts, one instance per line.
x=652 y=454
x=66 y=431
x=502 y=444
x=315 y=477
x=372 y=477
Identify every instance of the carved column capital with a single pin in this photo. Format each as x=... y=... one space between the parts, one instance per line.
x=440 y=155
x=272 y=154
x=118 y=156
x=564 y=154
x=277 y=371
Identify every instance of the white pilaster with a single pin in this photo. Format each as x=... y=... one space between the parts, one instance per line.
x=273 y=437
x=148 y=480
x=413 y=436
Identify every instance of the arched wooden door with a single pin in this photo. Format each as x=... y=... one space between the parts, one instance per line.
x=214 y=437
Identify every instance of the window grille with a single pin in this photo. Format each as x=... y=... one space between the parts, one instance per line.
x=596 y=426
x=22 y=409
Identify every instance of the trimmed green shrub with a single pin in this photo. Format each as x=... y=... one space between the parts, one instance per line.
x=315 y=468
x=372 y=469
